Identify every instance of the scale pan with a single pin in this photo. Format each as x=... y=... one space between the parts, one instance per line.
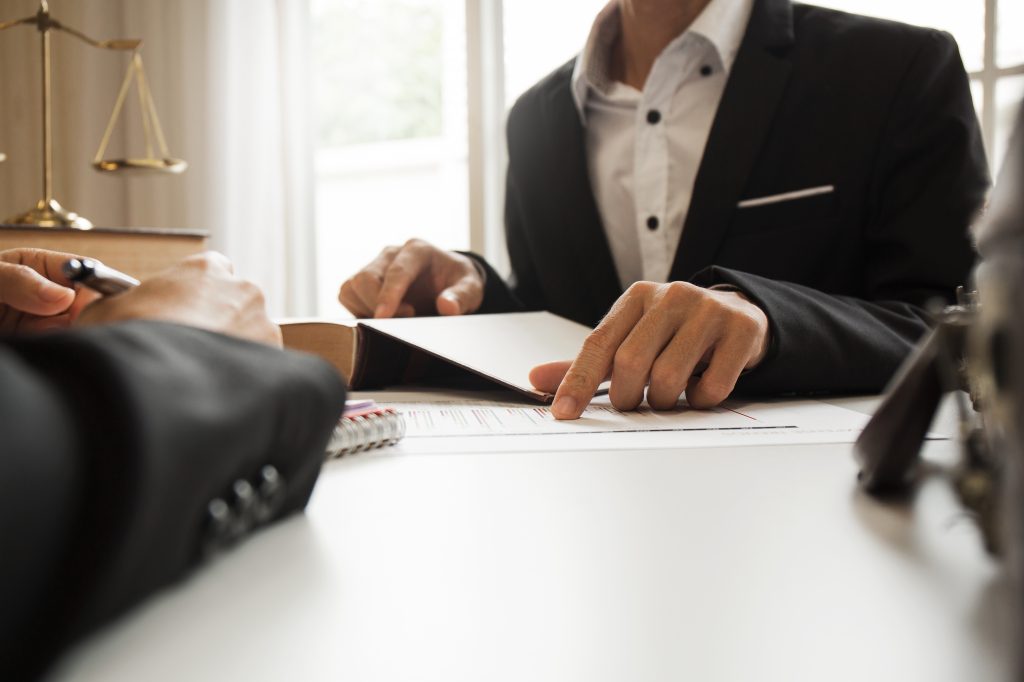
x=167 y=165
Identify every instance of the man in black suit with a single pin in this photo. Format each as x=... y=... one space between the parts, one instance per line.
x=167 y=425
x=813 y=187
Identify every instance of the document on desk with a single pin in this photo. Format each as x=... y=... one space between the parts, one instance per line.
x=472 y=418
x=465 y=424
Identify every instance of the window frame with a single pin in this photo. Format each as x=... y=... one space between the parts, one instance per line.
x=990 y=75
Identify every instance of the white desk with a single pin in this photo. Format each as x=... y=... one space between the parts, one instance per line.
x=760 y=563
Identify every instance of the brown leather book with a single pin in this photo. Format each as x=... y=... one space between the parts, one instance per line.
x=472 y=351
x=139 y=252
x=332 y=341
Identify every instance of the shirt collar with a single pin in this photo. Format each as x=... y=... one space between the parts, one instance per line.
x=723 y=23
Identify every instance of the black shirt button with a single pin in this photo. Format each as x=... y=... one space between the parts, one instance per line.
x=243 y=508
x=705 y=70
x=271 y=492
x=653 y=116
x=219 y=520
x=652 y=223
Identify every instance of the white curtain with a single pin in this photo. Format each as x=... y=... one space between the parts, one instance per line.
x=230 y=82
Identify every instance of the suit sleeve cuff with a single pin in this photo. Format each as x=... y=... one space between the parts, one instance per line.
x=721 y=279
x=498 y=297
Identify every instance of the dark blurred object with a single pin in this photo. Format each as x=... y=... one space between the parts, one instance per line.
x=889 y=446
x=996 y=352
x=977 y=347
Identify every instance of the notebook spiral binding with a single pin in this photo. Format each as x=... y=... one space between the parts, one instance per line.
x=366 y=431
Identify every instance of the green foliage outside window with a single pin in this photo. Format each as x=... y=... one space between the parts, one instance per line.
x=378 y=70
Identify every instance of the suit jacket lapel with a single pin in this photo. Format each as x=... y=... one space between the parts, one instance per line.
x=578 y=217
x=753 y=91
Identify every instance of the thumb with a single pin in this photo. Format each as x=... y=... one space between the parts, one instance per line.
x=26 y=290
x=448 y=303
x=548 y=376
x=461 y=298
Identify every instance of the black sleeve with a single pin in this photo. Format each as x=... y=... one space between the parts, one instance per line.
x=930 y=179
x=523 y=290
x=116 y=440
x=499 y=296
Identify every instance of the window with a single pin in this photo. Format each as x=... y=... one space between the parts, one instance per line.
x=391 y=133
x=411 y=98
x=533 y=48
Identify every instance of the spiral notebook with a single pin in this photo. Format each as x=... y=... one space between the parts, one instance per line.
x=364 y=426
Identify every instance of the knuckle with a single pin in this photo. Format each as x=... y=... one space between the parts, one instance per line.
x=635 y=288
x=390 y=251
x=629 y=362
x=577 y=380
x=678 y=291
x=598 y=343
x=687 y=288
x=711 y=309
x=21 y=271
x=201 y=262
x=15 y=274
x=252 y=292
x=664 y=377
x=641 y=289
x=398 y=269
x=345 y=293
x=714 y=391
x=364 y=278
x=678 y=297
x=745 y=325
x=21 y=275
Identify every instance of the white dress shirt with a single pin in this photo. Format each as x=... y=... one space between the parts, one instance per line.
x=644 y=148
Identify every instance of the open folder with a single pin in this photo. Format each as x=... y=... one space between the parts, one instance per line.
x=500 y=348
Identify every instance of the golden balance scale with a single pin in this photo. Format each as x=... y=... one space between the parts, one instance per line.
x=48 y=212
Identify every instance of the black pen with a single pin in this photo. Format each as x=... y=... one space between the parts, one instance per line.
x=97 y=276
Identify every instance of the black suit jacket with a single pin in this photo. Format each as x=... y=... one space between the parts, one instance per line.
x=816 y=97
x=114 y=442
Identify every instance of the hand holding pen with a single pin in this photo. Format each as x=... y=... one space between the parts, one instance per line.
x=35 y=295
x=200 y=291
x=44 y=290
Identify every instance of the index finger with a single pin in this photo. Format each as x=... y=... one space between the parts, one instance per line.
x=49 y=264
x=407 y=265
x=594 y=361
x=28 y=291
